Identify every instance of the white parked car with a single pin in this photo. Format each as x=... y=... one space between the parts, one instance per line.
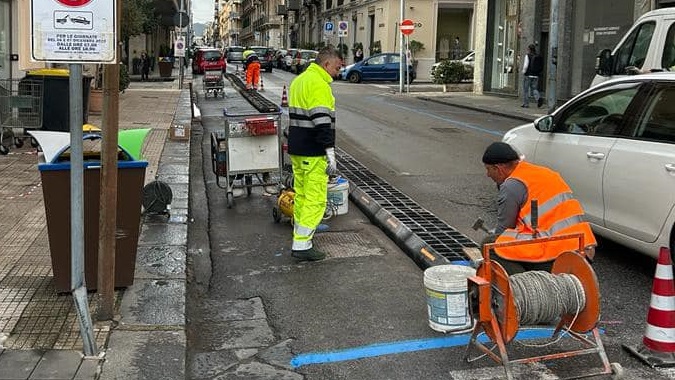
x=614 y=144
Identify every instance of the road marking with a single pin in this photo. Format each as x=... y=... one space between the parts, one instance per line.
x=399 y=347
x=451 y=121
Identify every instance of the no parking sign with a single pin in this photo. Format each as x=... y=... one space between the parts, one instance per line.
x=343 y=26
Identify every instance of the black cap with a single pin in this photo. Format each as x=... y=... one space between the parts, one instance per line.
x=499 y=153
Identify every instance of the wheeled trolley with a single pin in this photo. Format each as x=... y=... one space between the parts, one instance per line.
x=20 y=109
x=213 y=83
x=247 y=153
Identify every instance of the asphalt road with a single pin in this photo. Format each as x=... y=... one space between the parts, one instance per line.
x=430 y=152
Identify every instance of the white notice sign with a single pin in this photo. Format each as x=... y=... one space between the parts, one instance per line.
x=73 y=31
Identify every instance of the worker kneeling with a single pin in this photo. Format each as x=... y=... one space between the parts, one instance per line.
x=252 y=67
x=520 y=182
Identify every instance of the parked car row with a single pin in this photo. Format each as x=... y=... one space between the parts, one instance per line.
x=379 y=67
x=296 y=60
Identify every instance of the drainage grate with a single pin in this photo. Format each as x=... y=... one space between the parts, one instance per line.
x=444 y=239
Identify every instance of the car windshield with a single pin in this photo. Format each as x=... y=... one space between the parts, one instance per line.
x=211 y=55
x=309 y=55
x=235 y=49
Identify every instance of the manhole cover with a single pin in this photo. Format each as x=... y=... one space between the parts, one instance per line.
x=342 y=245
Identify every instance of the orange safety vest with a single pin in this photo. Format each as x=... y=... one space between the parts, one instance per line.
x=559 y=213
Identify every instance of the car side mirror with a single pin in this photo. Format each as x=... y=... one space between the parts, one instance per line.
x=544 y=124
x=604 y=63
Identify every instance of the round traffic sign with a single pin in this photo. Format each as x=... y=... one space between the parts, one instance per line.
x=74 y=3
x=407 y=26
x=342 y=25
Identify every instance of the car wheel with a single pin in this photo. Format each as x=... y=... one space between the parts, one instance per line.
x=354 y=77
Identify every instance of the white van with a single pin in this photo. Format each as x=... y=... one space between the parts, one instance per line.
x=649 y=46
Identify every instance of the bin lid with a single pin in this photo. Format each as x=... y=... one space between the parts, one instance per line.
x=55 y=145
x=50 y=72
x=132 y=141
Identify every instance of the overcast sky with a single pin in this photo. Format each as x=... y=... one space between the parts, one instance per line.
x=202 y=10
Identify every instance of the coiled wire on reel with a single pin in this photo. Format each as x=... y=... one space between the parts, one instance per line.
x=542 y=297
x=157 y=197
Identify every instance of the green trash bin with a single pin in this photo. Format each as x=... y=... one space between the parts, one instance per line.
x=56 y=97
x=54 y=168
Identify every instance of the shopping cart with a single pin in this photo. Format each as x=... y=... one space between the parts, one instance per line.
x=248 y=149
x=213 y=83
x=20 y=109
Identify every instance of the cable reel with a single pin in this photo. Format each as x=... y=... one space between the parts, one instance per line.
x=499 y=305
x=157 y=197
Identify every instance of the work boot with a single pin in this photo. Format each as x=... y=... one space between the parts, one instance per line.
x=308 y=255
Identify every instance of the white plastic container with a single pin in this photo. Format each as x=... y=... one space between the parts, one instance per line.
x=338 y=195
x=447 y=297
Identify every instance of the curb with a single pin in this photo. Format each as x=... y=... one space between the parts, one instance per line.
x=479 y=109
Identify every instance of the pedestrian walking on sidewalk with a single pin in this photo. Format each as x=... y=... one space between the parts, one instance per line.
x=145 y=66
x=533 y=65
x=311 y=145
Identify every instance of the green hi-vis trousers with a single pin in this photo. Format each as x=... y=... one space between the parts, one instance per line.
x=310 y=182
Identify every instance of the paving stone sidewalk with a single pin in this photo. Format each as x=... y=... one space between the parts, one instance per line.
x=39 y=333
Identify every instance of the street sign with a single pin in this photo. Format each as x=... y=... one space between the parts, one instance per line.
x=179 y=47
x=343 y=26
x=407 y=27
x=328 y=28
x=181 y=19
x=73 y=31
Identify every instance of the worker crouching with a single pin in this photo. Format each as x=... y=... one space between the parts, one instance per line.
x=558 y=212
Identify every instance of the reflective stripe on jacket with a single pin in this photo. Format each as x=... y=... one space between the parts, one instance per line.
x=559 y=213
x=311 y=111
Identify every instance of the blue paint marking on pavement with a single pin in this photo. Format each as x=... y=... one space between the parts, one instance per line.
x=451 y=121
x=380 y=349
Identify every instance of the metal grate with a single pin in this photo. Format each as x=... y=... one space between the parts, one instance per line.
x=444 y=239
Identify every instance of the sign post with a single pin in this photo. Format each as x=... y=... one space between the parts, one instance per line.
x=75 y=32
x=407 y=27
x=343 y=27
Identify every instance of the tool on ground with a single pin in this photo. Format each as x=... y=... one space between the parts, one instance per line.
x=335 y=203
x=479 y=224
x=501 y=304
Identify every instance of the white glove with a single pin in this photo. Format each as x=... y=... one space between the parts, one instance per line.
x=331 y=169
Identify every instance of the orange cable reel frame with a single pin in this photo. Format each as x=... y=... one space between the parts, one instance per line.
x=502 y=303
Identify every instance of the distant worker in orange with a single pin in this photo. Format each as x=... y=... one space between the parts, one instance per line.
x=559 y=213
x=252 y=63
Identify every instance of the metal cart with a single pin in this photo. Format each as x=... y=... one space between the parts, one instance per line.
x=20 y=109
x=213 y=83
x=249 y=146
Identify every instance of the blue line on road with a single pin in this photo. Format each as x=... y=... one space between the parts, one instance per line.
x=451 y=121
x=380 y=349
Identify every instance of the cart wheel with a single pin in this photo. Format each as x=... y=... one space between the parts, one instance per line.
x=34 y=142
x=4 y=150
x=230 y=199
x=18 y=142
x=276 y=214
x=248 y=180
x=617 y=370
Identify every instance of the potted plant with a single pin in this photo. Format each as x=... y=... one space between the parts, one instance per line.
x=449 y=72
x=165 y=61
x=96 y=92
x=415 y=47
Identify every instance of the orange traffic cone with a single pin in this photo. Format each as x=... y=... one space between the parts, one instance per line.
x=284 y=98
x=658 y=343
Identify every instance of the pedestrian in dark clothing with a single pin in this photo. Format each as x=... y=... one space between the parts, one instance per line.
x=145 y=66
x=358 y=55
x=533 y=65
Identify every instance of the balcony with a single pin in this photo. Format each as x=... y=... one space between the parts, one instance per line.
x=235 y=16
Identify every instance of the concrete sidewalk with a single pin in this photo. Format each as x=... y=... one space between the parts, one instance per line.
x=39 y=333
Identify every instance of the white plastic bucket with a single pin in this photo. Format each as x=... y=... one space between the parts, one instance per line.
x=338 y=195
x=447 y=297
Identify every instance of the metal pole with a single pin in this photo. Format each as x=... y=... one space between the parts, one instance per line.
x=182 y=59
x=400 y=69
x=407 y=49
x=107 y=222
x=77 y=283
x=551 y=98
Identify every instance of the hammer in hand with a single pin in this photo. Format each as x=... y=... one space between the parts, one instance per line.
x=479 y=224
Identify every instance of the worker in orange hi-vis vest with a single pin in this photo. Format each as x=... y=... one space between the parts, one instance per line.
x=252 y=69
x=558 y=212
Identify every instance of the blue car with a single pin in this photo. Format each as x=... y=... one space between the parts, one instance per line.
x=383 y=66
